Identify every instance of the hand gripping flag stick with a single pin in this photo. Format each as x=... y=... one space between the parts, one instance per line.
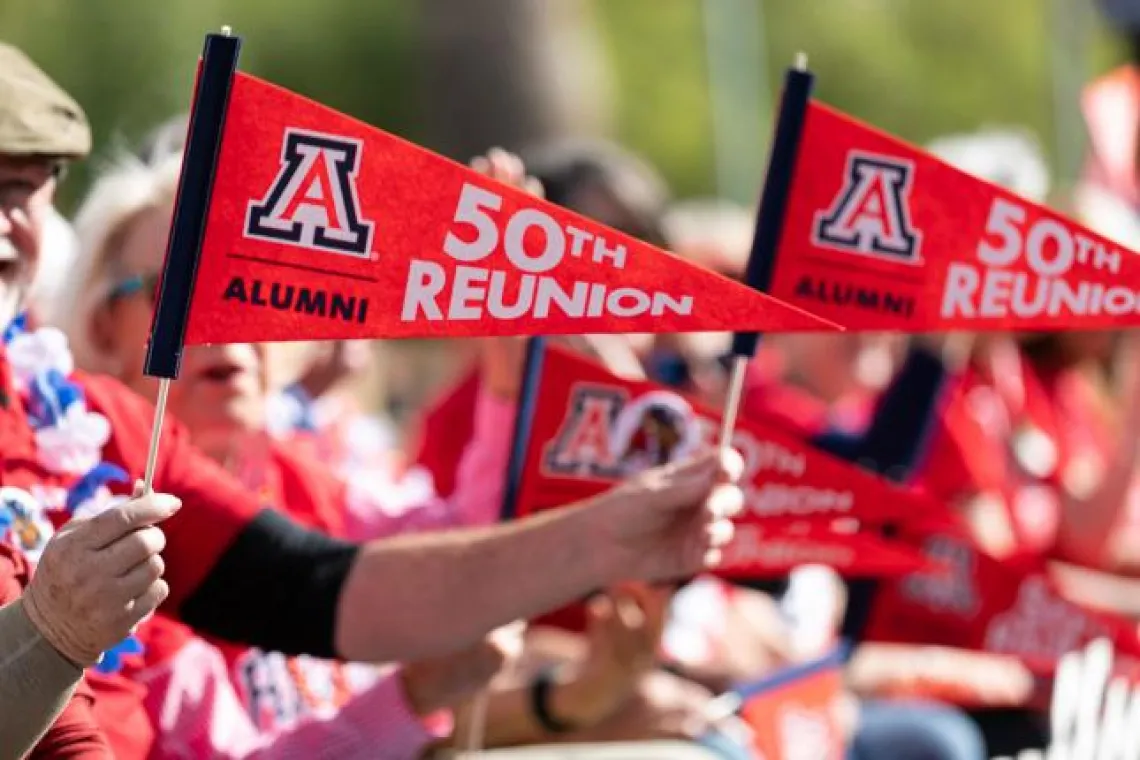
x=769 y=224
x=203 y=143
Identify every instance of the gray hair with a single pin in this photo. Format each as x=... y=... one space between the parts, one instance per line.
x=1011 y=158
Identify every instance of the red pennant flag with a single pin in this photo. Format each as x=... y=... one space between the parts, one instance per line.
x=879 y=235
x=796 y=714
x=757 y=551
x=591 y=429
x=973 y=601
x=323 y=227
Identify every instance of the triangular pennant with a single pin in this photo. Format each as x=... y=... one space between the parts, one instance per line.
x=757 y=551
x=591 y=429
x=974 y=601
x=795 y=712
x=879 y=235
x=323 y=227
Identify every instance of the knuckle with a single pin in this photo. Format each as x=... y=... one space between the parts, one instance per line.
x=157 y=539
x=156 y=566
x=138 y=542
x=114 y=521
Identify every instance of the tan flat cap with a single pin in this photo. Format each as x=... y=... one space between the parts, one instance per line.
x=36 y=116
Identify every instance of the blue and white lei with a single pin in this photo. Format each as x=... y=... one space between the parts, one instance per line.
x=69 y=442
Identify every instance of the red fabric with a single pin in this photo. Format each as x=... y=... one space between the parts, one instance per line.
x=1010 y=605
x=120 y=714
x=75 y=735
x=1001 y=606
x=307 y=489
x=791 y=408
x=973 y=450
x=879 y=235
x=420 y=246
x=445 y=429
x=215 y=509
x=587 y=418
x=311 y=494
x=799 y=717
x=215 y=506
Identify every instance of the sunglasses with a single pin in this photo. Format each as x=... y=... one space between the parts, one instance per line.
x=146 y=284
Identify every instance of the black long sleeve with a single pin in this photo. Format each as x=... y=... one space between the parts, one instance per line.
x=276 y=587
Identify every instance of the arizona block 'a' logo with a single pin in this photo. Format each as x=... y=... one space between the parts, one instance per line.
x=607 y=435
x=313 y=202
x=582 y=447
x=871 y=214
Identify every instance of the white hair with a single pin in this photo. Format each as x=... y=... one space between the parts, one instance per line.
x=58 y=250
x=1008 y=157
x=126 y=188
x=711 y=223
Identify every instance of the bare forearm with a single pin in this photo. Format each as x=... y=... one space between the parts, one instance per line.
x=411 y=597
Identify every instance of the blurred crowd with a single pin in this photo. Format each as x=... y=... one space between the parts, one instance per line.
x=324 y=584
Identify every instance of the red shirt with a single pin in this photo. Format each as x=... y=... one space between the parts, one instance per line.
x=270 y=685
x=316 y=500
x=1021 y=436
x=215 y=509
x=1000 y=434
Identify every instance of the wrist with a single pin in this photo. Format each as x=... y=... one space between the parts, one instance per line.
x=21 y=634
x=587 y=699
x=588 y=537
x=557 y=705
x=54 y=635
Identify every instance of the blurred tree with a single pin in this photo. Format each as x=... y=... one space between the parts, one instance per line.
x=461 y=75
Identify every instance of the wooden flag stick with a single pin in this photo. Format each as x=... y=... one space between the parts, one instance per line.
x=203 y=141
x=732 y=403
x=769 y=223
x=156 y=434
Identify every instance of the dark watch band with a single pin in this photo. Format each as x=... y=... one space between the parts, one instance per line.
x=540 y=687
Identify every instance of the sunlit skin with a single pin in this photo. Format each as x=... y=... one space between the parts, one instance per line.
x=27 y=188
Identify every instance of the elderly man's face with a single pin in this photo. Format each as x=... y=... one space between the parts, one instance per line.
x=26 y=189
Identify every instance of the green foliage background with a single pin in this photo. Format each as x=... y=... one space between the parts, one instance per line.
x=918 y=68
